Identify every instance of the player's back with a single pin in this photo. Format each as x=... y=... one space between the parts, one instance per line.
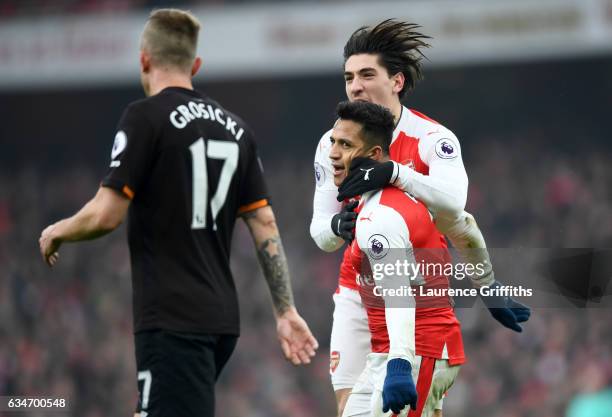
x=190 y=167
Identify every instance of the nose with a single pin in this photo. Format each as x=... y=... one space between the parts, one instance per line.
x=333 y=152
x=356 y=87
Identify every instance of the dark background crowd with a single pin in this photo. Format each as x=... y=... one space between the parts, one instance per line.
x=536 y=148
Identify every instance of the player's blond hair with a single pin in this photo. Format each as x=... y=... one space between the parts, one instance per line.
x=170 y=36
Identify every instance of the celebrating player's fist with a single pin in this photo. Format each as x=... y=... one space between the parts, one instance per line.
x=399 y=390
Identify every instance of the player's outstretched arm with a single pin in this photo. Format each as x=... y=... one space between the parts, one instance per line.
x=296 y=340
x=466 y=237
x=444 y=190
x=101 y=215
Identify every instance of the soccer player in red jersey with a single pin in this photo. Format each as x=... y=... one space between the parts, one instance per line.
x=382 y=63
x=414 y=337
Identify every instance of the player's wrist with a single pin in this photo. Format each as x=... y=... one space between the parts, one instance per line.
x=398 y=366
x=402 y=356
x=288 y=311
x=395 y=173
x=54 y=234
x=334 y=224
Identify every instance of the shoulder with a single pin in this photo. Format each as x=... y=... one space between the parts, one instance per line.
x=140 y=106
x=324 y=143
x=426 y=127
x=139 y=115
x=323 y=148
x=435 y=139
x=322 y=164
x=225 y=111
x=153 y=110
x=377 y=218
x=204 y=107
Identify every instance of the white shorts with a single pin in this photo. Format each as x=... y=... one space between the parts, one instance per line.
x=350 y=339
x=366 y=397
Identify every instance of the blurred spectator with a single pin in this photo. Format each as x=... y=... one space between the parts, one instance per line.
x=595 y=398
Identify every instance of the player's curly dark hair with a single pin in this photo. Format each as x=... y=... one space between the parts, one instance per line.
x=376 y=121
x=398 y=46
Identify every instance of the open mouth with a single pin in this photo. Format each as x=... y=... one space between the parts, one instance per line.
x=338 y=169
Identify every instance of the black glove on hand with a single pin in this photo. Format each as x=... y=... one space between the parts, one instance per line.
x=505 y=310
x=343 y=223
x=365 y=175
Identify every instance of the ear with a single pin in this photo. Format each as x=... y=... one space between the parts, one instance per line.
x=145 y=62
x=196 y=66
x=376 y=153
x=398 y=82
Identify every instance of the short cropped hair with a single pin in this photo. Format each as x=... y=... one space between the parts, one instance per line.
x=398 y=46
x=170 y=36
x=376 y=122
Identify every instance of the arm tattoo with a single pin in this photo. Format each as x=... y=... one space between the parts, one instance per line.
x=274 y=264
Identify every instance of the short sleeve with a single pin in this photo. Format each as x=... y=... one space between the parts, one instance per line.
x=253 y=190
x=132 y=153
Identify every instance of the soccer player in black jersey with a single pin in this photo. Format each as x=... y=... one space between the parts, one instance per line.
x=183 y=169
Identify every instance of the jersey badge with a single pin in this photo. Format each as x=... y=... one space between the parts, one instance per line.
x=334 y=361
x=378 y=246
x=446 y=149
x=319 y=174
x=118 y=147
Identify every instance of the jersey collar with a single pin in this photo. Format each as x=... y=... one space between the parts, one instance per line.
x=400 y=122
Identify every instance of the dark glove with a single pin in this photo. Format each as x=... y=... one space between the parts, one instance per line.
x=399 y=389
x=505 y=310
x=365 y=175
x=343 y=223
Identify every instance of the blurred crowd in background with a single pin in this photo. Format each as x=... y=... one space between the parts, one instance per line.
x=15 y=8
x=539 y=177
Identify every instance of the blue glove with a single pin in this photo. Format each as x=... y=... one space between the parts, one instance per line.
x=399 y=389
x=505 y=310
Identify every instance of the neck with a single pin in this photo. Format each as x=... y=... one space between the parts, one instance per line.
x=160 y=79
x=396 y=110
